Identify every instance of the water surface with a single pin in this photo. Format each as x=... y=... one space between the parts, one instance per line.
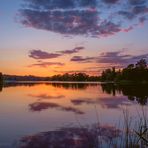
x=30 y=108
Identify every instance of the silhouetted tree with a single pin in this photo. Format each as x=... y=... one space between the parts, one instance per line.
x=142 y=64
x=109 y=75
x=1 y=77
x=1 y=81
x=136 y=73
x=74 y=77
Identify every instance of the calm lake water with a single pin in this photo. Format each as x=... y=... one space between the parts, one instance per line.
x=27 y=109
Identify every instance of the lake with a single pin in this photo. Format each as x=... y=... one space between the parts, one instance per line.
x=31 y=108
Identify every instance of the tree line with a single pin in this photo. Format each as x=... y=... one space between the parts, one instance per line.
x=1 y=78
x=133 y=72
x=59 y=77
x=74 y=77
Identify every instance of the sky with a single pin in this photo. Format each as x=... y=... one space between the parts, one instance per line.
x=46 y=37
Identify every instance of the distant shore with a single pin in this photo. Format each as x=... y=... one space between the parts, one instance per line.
x=123 y=82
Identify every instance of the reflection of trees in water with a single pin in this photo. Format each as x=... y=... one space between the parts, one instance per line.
x=1 y=87
x=20 y=84
x=54 y=84
x=135 y=92
x=72 y=85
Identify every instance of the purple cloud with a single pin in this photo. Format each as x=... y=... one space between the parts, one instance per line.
x=39 y=54
x=114 y=102
x=111 y=1
x=82 y=101
x=46 y=64
x=45 y=96
x=82 y=17
x=72 y=51
x=116 y=58
x=39 y=106
x=113 y=57
x=111 y=102
x=140 y=9
x=119 y=58
x=137 y=2
x=81 y=59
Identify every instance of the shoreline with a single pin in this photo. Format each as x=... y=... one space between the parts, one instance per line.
x=78 y=82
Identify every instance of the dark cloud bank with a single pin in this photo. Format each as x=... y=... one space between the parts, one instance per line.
x=115 y=58
x=83 y=17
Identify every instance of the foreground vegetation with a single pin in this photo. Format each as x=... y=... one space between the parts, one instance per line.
x=133 y=133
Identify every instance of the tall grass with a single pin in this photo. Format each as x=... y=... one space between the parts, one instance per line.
x=134 y=132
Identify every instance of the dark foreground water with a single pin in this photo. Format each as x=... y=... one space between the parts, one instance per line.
x=29 y=109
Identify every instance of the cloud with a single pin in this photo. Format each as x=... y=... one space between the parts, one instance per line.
x=119 y=58
x=82 y=101
x=111 y=1
x=111 y=102
x=113 y=58
x=116 y=58
x=39 y=106
x=45 y=96
x=74 y=136
x=82 y=59
x=58 y=4
x=46 y=64
x=138 y=9
x=127 y=14
x=39 y=54
x=95 y=18
x=137 y=2
x=72 y=51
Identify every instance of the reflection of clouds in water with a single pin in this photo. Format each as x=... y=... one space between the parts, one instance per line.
x=110 y=102
x=113 y=102
x=39 y=106
x=46 y=96
x=82 y=101
x=73 y=137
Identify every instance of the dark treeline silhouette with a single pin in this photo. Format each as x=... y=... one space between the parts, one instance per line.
x=74 y=77
x=1 y=82
x=134 y=72
x=1 y=78
x=64 y=77
x=24 y=78
x=135 y=92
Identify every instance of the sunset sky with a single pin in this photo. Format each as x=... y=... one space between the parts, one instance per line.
x=47 y=37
